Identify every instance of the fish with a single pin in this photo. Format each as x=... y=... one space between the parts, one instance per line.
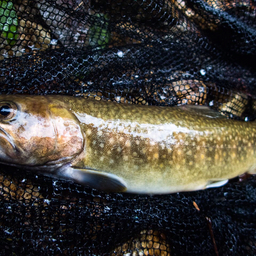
x=123 y=147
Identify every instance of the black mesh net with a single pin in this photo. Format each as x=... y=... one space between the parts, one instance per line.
x=151 y=52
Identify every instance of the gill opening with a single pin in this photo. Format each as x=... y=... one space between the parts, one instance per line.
x=53 y=124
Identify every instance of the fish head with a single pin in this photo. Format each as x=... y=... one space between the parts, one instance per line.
x=37 y=132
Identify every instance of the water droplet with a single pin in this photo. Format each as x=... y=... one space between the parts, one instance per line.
x=201 y=89
x=211 y=103
x=202 y=72
x=120 y=54
x=54 y=42
x=47 y=201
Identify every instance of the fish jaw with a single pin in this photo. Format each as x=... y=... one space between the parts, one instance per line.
x=8 y=149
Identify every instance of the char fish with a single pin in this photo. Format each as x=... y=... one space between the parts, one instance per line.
x=124 y=148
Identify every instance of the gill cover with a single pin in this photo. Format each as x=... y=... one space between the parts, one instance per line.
x=69 y=138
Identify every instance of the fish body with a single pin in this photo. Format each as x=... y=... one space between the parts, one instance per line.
x=124 y=148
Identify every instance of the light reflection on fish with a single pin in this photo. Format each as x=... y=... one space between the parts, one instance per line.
x=124 y=148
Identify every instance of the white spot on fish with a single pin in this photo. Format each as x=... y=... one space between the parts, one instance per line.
x=189 y=153
x=156 y=156
x=127 y=143
x=152 y=143
x=111 y=140
x=126 y=158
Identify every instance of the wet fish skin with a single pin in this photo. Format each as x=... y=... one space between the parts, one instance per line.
x=122 y=147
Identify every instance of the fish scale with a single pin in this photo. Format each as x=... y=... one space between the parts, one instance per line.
x=132 y=148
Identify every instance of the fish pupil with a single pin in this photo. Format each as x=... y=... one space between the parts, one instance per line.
x=5 y=110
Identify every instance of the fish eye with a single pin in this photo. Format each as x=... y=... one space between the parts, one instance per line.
x=7 y=111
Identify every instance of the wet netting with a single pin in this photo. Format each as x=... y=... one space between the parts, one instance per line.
x=152 y=52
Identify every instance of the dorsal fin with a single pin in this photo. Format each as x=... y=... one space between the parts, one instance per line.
x=202 y=111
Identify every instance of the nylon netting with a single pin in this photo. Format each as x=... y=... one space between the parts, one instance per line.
x=153 y=52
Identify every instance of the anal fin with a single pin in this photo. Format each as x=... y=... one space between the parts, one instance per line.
x=216 y=184
x=252 y=170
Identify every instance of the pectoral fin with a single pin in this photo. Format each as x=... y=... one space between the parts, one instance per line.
x=96 y=179
x=216 y=184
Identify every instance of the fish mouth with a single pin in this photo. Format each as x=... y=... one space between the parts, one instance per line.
x=5 y=148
